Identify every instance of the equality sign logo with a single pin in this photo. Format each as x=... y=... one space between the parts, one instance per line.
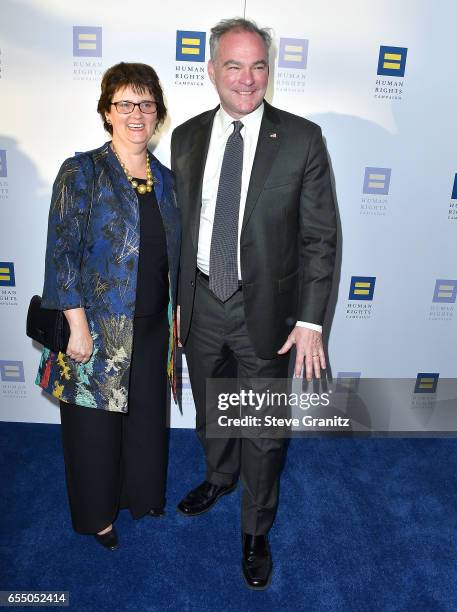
x=362 y=288
x=426 y=382
x=293 y=53
x=183 y=376
x=454 y=189
x=3 y=164
x=377 y=181
x=392 y=61
x=348 y=382
x=12 y=371
x=87 y=41
x=445 y=291
x=190 y=46
x=7 y=277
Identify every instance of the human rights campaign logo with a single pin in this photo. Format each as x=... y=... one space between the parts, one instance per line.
x=87 y=41
x=362 y=288
x=7 y=278
x=392 y=61
x=12 y=371
x=454 y=189
x=183 y=376
x=3 y=166
x=293 y=53
x=426 y=382
x=190 y=46
x=445 y=291
x=348 y=382
x=377 y=181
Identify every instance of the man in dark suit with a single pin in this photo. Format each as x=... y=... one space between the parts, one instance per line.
x=258 y=248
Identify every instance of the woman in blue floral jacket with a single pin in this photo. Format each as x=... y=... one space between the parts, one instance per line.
x=111 y=265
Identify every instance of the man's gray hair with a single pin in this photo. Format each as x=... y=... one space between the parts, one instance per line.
x=236 y=24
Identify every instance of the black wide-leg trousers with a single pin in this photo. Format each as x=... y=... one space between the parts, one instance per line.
x=115 y=460
x=218 y=346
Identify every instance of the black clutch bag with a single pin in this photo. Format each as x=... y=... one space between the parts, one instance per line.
x=48 y=327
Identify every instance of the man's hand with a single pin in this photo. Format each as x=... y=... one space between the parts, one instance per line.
x=178 y=324
x=309 y=350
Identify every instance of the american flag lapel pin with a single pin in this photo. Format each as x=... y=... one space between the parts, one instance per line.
x=273 y=135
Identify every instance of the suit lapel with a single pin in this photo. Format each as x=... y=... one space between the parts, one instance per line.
x=196 y=161
x=266 y=151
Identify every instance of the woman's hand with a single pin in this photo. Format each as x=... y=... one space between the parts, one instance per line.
x=80 y=345
x=178 y=324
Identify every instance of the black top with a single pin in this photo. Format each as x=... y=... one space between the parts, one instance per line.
x=152 y=281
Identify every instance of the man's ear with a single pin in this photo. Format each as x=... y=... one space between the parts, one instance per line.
x=211 y=71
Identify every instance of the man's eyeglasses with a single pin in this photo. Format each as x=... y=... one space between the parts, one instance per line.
x=125 y=106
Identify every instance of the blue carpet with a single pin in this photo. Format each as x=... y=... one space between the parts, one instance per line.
x=363 y=525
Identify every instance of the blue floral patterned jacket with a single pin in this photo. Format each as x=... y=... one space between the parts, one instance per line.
x=97 y=269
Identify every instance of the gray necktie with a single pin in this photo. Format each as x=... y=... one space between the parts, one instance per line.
x=223 y=268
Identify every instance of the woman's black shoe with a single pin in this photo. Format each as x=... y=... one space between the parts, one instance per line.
x=108 y=540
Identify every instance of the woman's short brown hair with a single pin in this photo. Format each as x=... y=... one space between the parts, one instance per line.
x=140 y=77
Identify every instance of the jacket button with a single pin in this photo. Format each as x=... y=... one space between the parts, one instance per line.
x=192 y=284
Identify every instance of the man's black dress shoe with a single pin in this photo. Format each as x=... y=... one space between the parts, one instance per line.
x=108 y=540
x=256 y=562
x=201 y=499
x=156 y=512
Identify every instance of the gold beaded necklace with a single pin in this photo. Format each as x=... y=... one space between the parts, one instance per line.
x=140 y=187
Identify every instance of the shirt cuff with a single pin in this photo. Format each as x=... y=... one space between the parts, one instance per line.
x=312 y=326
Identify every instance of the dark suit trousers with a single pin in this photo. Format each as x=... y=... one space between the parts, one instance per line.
x=218 y=346
x=115 y=460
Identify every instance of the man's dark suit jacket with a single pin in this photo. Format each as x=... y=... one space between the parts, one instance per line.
x=288 y=235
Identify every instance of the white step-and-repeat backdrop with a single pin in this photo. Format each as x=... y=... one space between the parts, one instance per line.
x=380 y=79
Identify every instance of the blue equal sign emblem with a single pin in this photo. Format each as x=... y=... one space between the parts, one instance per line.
x=454 y=189
x=87 y=41
x=362 y=288
x=293 y=53
x=376 y=181
x=7 y=276
x=426 y=382
x=347 y=382
x=392 y=61
x=183 y=376
x=12 y=371
x=445 y=291
x=190 y=46
x=3 y=164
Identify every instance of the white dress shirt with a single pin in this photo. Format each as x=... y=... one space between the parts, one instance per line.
x=222 y=128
